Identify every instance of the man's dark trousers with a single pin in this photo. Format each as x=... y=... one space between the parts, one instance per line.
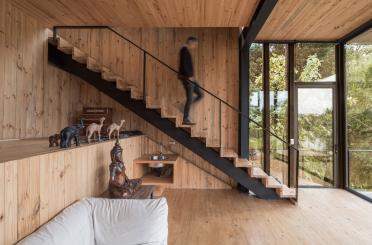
x=190 y=89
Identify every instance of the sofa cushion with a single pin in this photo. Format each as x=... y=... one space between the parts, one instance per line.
x=128 y=222
x=73 y=226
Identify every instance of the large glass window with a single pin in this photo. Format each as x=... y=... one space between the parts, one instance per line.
x=315 y=135
x=278 y=111
x=359 y=112
x=314 y=91
x=315 y=62
x=256 y=103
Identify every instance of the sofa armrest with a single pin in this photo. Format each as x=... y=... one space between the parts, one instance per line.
x=129 y=221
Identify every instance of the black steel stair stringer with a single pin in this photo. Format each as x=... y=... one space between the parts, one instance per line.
x=65 y=62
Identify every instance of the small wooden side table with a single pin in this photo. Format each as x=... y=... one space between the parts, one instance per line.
x=141 y=170
x=144 y=192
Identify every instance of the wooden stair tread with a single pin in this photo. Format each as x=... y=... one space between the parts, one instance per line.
x=164 y=115
x=152 y=103
x=271 y=182
x=202 y=134
x=122 y=85
x=79 y=55
x=185 y=126
x=256 y=172
x=93 y=65
x=227 y=152
x=109 y=75
x=64 y=46
x=286 y=192
x=242 y=162
x=135 y=94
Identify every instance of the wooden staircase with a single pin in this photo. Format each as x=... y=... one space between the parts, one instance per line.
x=136 y=93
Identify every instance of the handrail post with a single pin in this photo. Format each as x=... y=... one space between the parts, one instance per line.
x=297 y=172
x=144 y=77
x=291 y=119
x=243 y=101
x=54 y=33
x=266 y=114
x=220 y=122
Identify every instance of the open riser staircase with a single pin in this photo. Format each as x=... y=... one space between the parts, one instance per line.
x=166 y=117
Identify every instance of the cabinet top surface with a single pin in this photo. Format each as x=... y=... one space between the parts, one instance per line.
x=19 y=149
x=171 y=158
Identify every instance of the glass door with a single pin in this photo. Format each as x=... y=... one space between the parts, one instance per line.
x=314 y=134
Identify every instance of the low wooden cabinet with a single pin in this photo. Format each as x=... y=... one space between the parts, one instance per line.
x=142 y=169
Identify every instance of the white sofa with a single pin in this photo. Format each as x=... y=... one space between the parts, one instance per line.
x=99 y=221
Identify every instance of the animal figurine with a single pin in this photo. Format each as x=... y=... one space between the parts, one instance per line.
x=69 y=133
x=53 y=140
x=94 y=129
x=115 y=128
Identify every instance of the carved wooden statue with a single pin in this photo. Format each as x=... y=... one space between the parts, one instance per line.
x=115 y=128
x=94 y=129
x=69 y=133
x=120 y=186
x=54 y=140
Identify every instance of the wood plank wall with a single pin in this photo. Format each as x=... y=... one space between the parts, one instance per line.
x=40 y=100
x=216 y=68
x=33 y=103
x=34 y=189
x=37 y=100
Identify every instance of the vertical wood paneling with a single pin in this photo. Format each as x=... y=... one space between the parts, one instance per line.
x=2 y=63
x=2 y=204
x=38 y=64
x=9 y=92
x=28 y=195
x=44 y=188
x=11 y=203
x=36 y=98
x=57 y=183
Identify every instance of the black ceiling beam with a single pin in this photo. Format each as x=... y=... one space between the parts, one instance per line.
x=356 y=32
x=262 y=13
x=248 y=35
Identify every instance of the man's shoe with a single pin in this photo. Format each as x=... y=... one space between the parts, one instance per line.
x=188 y=122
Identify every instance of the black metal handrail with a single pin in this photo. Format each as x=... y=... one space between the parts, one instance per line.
x=290 y=146
x=174 y=70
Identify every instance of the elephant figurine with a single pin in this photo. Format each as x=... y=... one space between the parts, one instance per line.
x=69 y=133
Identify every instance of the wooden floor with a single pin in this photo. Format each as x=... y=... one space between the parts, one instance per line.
x=323 y=216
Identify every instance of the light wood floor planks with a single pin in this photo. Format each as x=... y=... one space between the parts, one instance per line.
x=225 y=217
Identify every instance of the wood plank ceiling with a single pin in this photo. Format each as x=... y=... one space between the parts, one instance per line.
x=324 y=20
x=315 y=19
x=143 y=13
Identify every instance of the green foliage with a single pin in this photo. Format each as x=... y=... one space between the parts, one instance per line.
x=359 y=114
x=325 y=53
x=278 y=78
x=313 y=62
x=311 y=69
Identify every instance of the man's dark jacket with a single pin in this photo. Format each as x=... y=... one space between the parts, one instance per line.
x=186 y=68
